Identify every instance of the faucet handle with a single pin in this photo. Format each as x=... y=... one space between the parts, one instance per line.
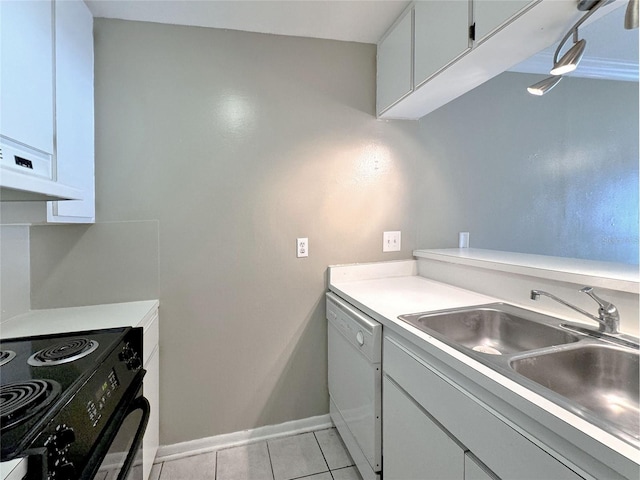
x=609 y=315
x=605 y=306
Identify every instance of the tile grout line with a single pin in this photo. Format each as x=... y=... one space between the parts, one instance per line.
x=322 y=453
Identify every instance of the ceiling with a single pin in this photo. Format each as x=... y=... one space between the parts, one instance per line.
x=612 y=52
x=353 y=21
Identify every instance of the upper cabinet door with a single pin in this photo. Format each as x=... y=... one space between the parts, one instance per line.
x=489 y=15
x=74 y=110
x=26 y=63
x=394 y=79
x=441 y=35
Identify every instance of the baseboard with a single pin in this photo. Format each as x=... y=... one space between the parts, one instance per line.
x=244 y=437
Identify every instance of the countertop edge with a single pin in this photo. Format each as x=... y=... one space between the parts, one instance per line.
x=614 y=276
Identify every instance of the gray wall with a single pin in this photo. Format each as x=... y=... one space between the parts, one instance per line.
x=553 y=175
x=15 y=282
x=237 y=144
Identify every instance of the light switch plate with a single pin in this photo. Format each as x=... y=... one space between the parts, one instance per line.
x=391 y=241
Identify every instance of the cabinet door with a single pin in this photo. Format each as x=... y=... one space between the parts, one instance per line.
x=491 y=14
x=26 y=63
x=414 y=447
x=74 y=111
x=475 y=470
x=441 y=35
x=394 y=78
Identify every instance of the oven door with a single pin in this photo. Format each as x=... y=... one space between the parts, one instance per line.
x=119 y=452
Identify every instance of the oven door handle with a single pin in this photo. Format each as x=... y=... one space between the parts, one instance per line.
x=140 y=403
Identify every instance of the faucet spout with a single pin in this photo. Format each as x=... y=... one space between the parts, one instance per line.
x=608 y=317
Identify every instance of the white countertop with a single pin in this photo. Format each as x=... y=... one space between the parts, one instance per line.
x=389 y=289
x=61 y=320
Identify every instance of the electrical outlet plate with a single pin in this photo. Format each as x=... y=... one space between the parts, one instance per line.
x=302 y=247
x=391 y=241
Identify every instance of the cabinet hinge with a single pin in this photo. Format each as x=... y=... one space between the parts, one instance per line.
x=472 y=31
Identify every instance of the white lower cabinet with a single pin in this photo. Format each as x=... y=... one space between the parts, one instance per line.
x=432 y=421
x=152 y=393
x=151 y=361
x=415 y=447
x=475 y=470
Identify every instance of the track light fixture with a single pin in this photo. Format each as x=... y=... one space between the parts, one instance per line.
x=570 y=60
x=544 y=86
x=631 y=16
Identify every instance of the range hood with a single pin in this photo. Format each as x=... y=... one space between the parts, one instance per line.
x=26 y=174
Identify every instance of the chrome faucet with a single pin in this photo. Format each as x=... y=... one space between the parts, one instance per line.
x=608 y=316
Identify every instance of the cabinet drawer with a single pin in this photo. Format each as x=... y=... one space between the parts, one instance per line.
x=501 y=448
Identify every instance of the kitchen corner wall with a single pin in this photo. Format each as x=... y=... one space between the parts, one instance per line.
x=14 y=271
x=236 y=144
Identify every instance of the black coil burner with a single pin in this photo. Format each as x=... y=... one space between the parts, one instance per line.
x=6 y=356
x=21 y=400
x=67 y=351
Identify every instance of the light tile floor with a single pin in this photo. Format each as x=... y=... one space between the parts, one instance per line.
x=318 y=455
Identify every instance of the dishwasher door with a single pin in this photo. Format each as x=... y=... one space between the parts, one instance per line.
x=355 y=350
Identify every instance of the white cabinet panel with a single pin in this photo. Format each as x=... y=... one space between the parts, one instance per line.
x=152 y=393
x=414 y=446
x=441 y=36
x=499 y=446
x=491 y=14
x=26 y=63
x=474 y=470
x=74 y=110
x=395 y=59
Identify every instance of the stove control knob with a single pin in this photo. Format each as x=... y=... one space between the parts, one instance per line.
x=65 y=471
x=60 y=440
x=134 y=362
x=65 y=436
x=126 y=353
x=130 y=357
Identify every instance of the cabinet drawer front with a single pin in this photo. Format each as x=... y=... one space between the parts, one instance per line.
x=501 y=448
x=414 y=446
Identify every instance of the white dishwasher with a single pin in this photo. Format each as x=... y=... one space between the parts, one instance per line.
x=355 y=400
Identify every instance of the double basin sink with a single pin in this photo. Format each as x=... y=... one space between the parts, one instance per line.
x=593 y=375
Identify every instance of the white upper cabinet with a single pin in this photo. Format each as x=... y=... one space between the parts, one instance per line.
x=489 y=15
x=460 y=44
x=395 y=63
x=441 y=36
x=74 y=111
x=47 y=111
x=26 y=61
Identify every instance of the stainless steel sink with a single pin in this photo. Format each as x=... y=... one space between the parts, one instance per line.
x=601 y=378
x=593 y=374
x=497 y=329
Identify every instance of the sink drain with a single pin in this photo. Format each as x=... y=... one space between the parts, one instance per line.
x=486 y=349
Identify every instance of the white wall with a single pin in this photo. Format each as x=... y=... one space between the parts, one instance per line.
x=232 y=145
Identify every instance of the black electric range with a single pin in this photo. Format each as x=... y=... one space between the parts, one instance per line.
x=60 y=394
